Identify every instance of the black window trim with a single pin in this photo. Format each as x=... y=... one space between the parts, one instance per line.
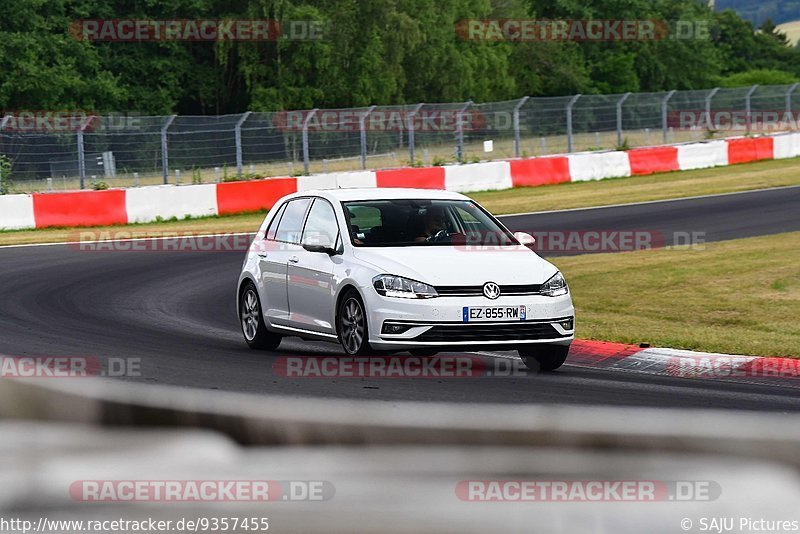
x=276 y=220
x=305 y=216
x=308 y=212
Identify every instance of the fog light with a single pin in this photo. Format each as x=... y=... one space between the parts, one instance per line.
x=394 y=328
x=567 y=324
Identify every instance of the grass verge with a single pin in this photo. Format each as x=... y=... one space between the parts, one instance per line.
x=523 y=199
x=735 y=297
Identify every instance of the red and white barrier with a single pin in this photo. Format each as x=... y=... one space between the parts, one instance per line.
x=702 y=155
x=148 y=203
x=748 y=149
x=489 y=176
x=121 y=206
x=16 y=212
x=423 y=178
x=337 y=180
x=651 y=160
x=786 y=146
x=317 y=181
x=598 y=165
x=356 y=179
x=534 y=172
x=80 y=208
x=257 y=195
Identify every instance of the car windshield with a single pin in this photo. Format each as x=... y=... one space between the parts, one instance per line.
x=409 y=222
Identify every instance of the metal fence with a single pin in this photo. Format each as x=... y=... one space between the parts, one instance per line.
x=130 y=150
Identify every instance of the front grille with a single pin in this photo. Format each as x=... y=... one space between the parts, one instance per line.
x=472 y=291
x=490 y=332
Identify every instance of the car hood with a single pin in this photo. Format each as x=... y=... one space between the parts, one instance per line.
x=444 y=265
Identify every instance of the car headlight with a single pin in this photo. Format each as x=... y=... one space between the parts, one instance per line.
x=555 y=287
x=396 y=286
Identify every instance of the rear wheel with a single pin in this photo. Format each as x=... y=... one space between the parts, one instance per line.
x=255 y=331
x=543 y=358
x=352 y=325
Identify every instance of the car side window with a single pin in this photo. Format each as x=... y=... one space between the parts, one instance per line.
x=273 y=225
x=362 y=220
x=321 y=226
x=291 y=224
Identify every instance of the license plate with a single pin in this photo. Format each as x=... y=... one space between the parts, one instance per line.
x=473 y=314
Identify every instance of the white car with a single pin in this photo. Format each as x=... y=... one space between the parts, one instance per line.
x=401 y=269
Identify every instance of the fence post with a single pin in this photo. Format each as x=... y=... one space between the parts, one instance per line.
x=664 y=103
x=237 y=132
x=747 y=105
x=517 y=140
x=789 y=97
x=411 y=131
x=619 y=117
x=709 y=96
x=305 y=139
x=363 y=133
x=569 y=121
x=81 y=161
x=460 y=131
x=2 y=127
x=81 y=153
x=164 y=149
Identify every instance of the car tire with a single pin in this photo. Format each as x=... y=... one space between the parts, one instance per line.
x=351 y=325
x=250 y=316
x=544 y=358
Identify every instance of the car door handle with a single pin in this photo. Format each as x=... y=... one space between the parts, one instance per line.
x=262 y=255
x=294 y=259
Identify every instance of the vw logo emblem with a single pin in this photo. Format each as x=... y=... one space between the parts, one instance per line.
x=491 y=290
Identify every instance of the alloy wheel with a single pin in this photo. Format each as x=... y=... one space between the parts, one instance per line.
x=250 y=315
x=352 y=326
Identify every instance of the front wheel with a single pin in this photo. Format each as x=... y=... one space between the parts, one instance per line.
x=542 y=358
x=255 y=331
x=352 y=325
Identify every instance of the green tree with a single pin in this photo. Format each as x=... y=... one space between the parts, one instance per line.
x=759 y=77
x=44 y=67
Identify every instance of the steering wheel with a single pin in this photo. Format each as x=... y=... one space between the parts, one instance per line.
x=438 y=236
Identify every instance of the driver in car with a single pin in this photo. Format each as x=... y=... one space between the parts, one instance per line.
x=433 y=222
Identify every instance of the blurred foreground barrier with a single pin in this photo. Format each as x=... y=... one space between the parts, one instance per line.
x=82 y=473
x=267 y=420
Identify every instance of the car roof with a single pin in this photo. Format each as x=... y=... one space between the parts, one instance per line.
x=379 y=193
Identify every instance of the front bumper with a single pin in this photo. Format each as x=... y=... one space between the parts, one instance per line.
x=438 y=322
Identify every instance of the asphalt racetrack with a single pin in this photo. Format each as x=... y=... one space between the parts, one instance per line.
x=175 y=311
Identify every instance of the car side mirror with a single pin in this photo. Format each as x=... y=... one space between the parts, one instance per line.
x=324 y=249
x=525 y=239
